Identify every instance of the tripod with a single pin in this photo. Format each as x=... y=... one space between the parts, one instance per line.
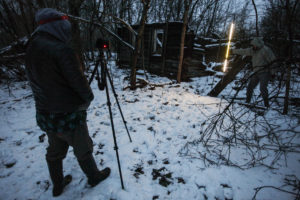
x=102 y=83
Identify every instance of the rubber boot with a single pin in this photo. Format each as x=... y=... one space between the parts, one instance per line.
x=90 y=169
x=56 y=174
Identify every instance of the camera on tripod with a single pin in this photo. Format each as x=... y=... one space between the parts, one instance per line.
x=102 y=44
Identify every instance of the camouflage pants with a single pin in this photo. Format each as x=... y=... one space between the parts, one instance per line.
x=263 y=80
x=78 y=138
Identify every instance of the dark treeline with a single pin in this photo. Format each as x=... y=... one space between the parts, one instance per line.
x=205 y=17
x=278 y=23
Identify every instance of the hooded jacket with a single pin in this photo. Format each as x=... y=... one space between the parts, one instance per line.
x=54 y=73
x=260 y=57
x=61 y=29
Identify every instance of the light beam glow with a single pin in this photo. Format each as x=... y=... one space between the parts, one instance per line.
x=228 y=47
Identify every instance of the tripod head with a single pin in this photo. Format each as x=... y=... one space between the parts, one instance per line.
x=102 y=44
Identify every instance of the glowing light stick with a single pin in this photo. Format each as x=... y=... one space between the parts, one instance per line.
x=228 y=47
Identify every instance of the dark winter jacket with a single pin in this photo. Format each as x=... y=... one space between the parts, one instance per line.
x=56 y=78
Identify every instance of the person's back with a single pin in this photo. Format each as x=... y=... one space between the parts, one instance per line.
x=62 y=95
x=57 y=81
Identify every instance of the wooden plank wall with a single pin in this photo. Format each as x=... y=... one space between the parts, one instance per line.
x=154 y=63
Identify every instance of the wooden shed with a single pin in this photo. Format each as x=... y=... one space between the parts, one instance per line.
x=160 y=48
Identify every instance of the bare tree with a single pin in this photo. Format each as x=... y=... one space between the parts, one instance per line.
x=168 y=12
x=212 y=19
x=187 y=4
x=290 y=7
x=74 y=7
x=256 y=18
x=146 y=5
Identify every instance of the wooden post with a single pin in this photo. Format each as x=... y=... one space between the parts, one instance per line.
x=237 y=66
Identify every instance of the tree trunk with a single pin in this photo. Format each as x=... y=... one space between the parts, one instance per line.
x=24 y=18
x=212 y=19
x=122 y=10
x=170 y=3
x=11 y=24
x=290 y=13
x=256 y=18
x=178 y=10
x=31 y=12
x=41 y=3
x=192 y=10
x=74 y=6
x=129 y=12
x=187 y=4
x=146 y=4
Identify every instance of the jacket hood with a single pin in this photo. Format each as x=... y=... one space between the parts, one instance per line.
x=258 y=42
x=61 y=29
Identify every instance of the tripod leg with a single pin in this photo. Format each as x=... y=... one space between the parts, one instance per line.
x=94 y=72
x=113 y=131
x=116 y=97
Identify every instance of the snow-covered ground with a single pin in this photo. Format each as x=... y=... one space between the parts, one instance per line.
x=161 y=121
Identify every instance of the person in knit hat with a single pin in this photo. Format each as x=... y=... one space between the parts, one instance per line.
x=262 y=57
x=62 y=95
